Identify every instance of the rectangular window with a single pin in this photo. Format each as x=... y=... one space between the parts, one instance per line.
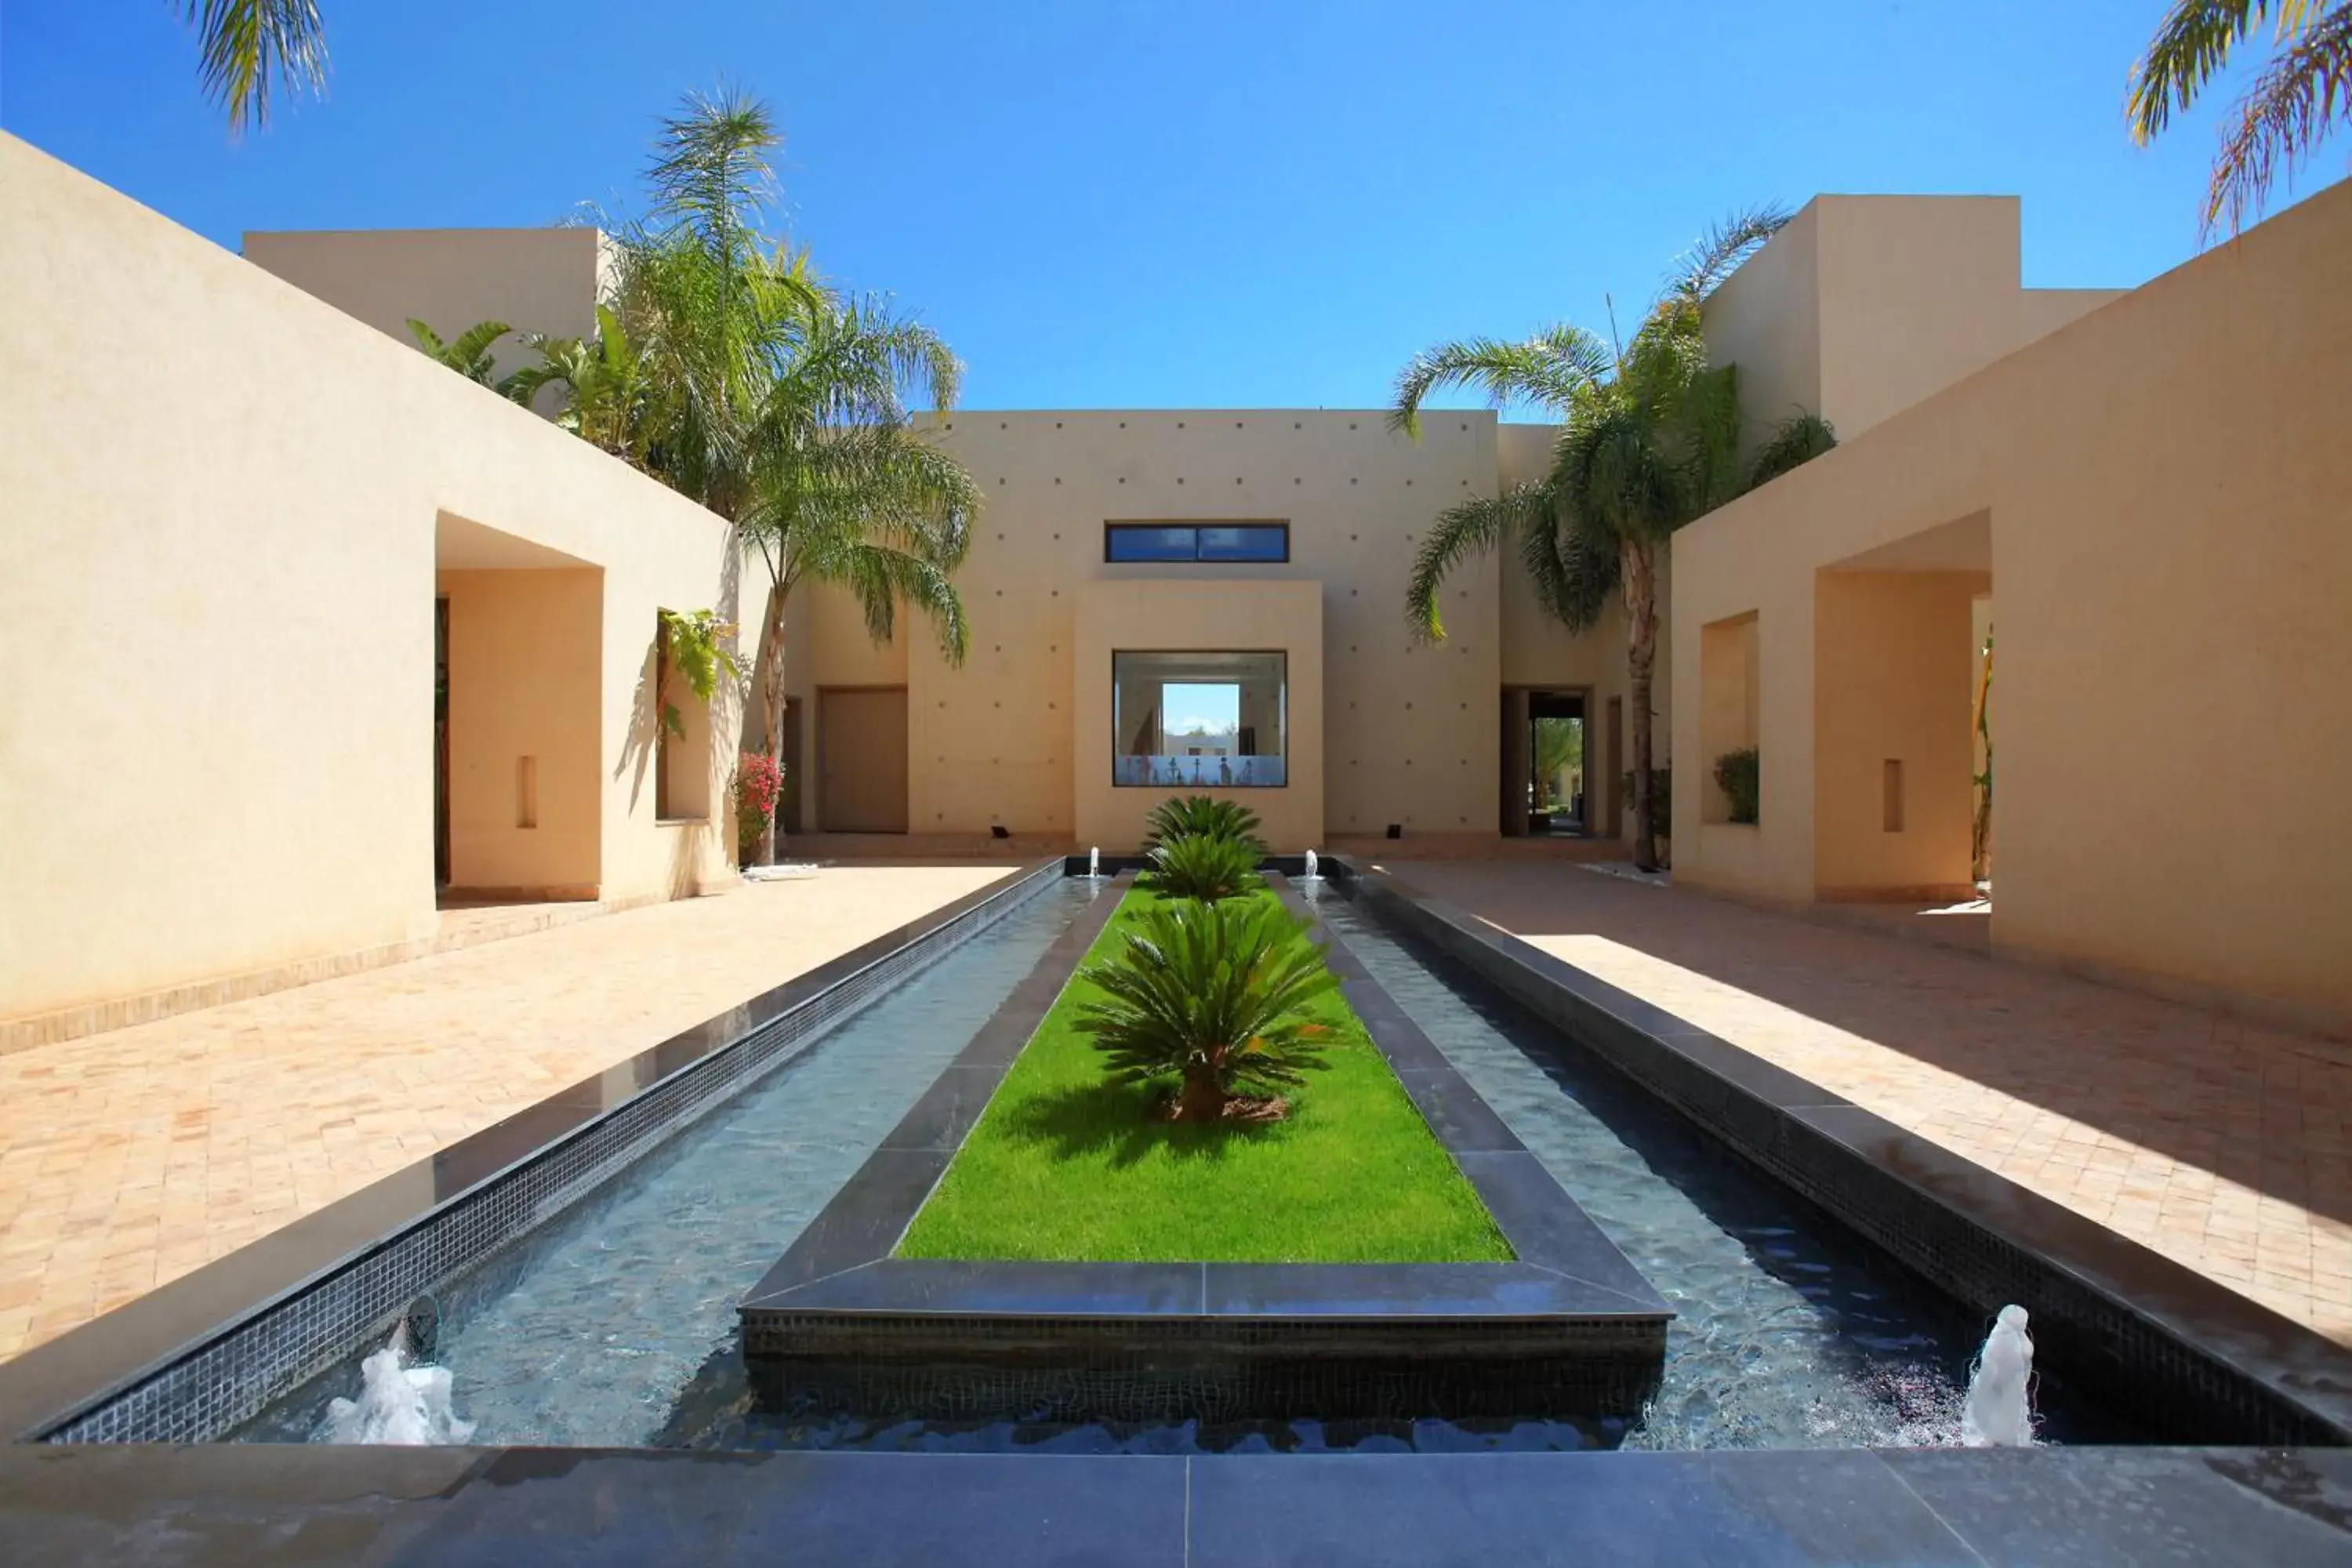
x=1223 y=541
x=1212 y=720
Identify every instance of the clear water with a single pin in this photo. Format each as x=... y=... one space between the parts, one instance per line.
x=616 y=1325
x=593 y=1329
x=1788 y=1331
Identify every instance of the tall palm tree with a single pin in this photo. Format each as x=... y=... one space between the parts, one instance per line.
x=1649 y=440
x=247 y=47
x=724 y=366
x=2301 y=93
x=845 y=488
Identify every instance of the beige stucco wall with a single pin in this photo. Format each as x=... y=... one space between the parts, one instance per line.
x=534 y=280
x=223 y=519
x=1863 y=305
x=1408 y=732
x=1766 y=318
x=1254 y=615
x=2157 y=489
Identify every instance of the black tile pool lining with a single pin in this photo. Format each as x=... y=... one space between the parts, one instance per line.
x=2180 y=1355
x=190 y=1361
x=842 y=1317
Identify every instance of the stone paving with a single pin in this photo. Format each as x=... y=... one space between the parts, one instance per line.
x=130 y=1157
x=2225 y=1145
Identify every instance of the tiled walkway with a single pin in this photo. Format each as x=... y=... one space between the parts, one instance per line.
x=2225 y=1145
x=129 y=1158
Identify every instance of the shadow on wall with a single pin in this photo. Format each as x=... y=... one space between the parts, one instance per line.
x=2160 y=1074
x=639 y=745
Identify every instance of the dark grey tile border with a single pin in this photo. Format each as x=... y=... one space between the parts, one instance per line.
x=189 y=1361
x=2180 y=1353
x=451 y=1508
x=838 y=1296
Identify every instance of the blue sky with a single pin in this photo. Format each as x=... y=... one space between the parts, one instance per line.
x=1153 y=205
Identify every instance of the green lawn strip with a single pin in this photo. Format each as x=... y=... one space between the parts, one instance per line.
x=1064 y=1166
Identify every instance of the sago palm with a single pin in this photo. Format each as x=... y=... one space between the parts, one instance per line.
x=1201 y=817
x=248 y=48
x=1204 y=866
x=1214 y=996
x=2301 y=93
x=1649 y=439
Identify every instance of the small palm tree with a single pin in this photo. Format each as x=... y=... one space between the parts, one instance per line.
x=2301 y=93
x=470 y=355
x=1201 y=816
x=1204 y=866
x=1214 y=996
x=248 y=47
x=1649 y=440
x=607 y=386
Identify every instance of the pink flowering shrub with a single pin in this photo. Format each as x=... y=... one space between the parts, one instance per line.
x=759 y=781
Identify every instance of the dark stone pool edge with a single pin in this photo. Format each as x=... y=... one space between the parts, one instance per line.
x=168 y=1507
x=187 y=1361
x=2176 y=1351
x=1572 y=1323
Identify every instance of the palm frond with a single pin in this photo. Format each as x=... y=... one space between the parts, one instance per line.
x=2191 y=45
x=247 y=47
x=1462 y=530
x=1573 y=569
x=1548 y=368
x=710 y=168
x=1795 y=441
x=1718 y=253
x=2298 y=98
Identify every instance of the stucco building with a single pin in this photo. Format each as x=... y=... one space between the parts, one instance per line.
x=2160 y=474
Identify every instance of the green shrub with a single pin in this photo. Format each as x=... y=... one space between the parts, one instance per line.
x=1199 y=866
x=1198 y=816
x=1739 y=775
x=1210 y=995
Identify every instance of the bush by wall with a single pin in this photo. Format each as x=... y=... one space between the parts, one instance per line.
x=1739 y=775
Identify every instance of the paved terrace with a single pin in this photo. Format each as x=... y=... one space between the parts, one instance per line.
x=2220 y=1143
x=128 y=1159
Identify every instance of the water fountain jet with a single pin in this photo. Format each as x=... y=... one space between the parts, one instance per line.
x=399 y=1405
x=1999 y=1413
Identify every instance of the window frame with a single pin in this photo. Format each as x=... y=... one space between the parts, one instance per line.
x=1282 y=654
x=1113 y=529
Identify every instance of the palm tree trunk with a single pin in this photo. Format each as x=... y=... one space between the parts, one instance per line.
x=768 y=709
x=1638 y=574
x=1203 y=1097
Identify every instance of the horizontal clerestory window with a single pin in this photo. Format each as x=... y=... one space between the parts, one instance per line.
x=1239 y=542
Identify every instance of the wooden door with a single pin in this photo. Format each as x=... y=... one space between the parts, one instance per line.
x=861 y=748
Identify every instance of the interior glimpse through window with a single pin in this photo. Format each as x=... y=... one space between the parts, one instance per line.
x=1196 y=541
x=1213 y=720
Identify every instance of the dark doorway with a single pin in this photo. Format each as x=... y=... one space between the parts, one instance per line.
x=1557 y=773
x=440 y=742
x=788 y=804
